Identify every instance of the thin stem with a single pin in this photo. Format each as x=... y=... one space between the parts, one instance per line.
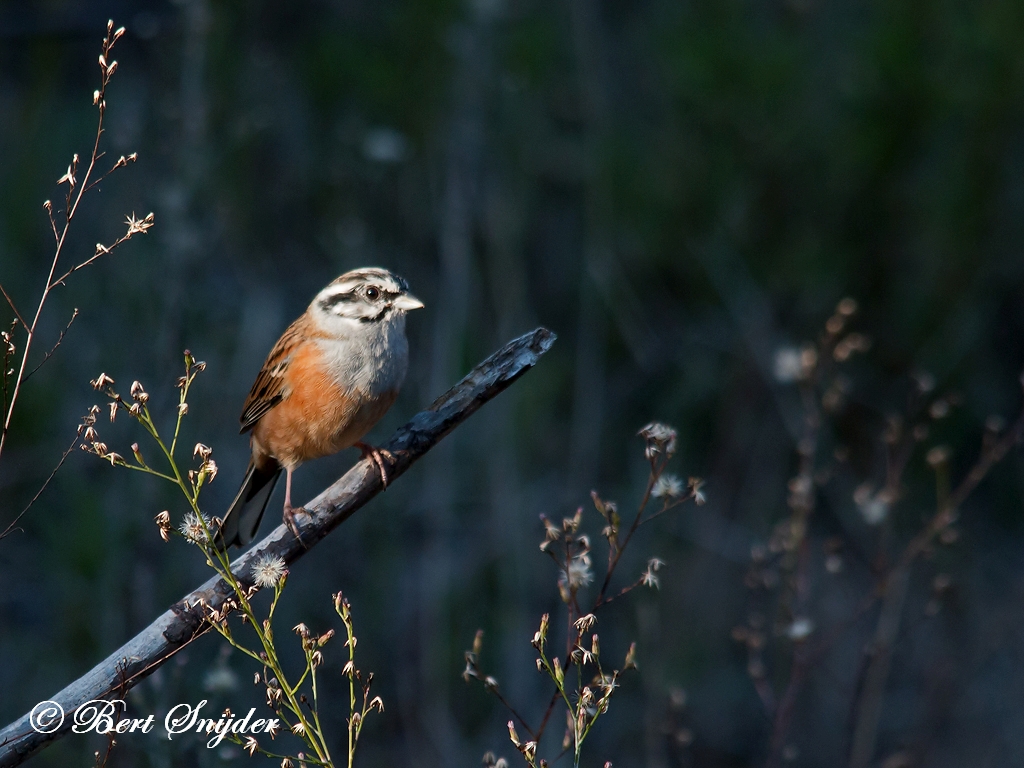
x=72 y=202
x=14 y=309
x=53 y=349
x=12 y=526
x=651 y=480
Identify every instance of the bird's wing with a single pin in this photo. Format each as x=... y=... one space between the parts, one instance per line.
x=269 y=388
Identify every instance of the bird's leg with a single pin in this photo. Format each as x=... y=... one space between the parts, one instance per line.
x=379 y=455
x=289 y=511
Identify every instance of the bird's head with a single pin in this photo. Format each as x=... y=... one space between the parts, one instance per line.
x=364 y=296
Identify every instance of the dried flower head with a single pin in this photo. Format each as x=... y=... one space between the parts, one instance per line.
x=208 y=470
x=194 y=528
x=584 y=623
x=551 y=531
x=667 y=487
x=695 y=485
x=138 y=393
x=648 y=578
x=268 y=570
x=163 y=522
x=577 y=574
x=660 y=438
x=138 y=226
x=101 y=381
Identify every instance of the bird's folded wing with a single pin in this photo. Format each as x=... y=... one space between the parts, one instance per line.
x=269 y=388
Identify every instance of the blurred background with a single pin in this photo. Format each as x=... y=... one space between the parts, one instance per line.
x=682 y=190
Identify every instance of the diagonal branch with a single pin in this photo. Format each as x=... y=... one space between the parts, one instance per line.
x=183 y=622
x=14 y=309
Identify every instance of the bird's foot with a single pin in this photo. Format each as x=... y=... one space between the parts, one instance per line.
x=289 y=520
x=379 y=456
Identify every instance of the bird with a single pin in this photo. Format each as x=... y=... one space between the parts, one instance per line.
x=331 y=376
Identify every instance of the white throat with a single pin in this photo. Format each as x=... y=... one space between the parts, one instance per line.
x=369 y=358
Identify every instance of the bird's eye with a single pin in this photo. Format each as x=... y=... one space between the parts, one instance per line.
x=372 y=293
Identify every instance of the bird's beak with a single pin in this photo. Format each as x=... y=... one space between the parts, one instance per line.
x=407 y=302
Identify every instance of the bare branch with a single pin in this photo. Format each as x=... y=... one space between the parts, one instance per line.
x=72 y=201
x=184 y=621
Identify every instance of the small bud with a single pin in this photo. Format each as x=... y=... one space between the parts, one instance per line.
x=324 y=638
x=559 y=672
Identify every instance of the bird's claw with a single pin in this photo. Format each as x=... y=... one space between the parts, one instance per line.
x=289 y=520
x=379 y=455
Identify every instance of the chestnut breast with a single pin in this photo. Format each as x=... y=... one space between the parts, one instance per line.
x=316 y=417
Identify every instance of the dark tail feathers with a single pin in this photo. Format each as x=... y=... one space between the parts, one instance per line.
x=244 y=515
